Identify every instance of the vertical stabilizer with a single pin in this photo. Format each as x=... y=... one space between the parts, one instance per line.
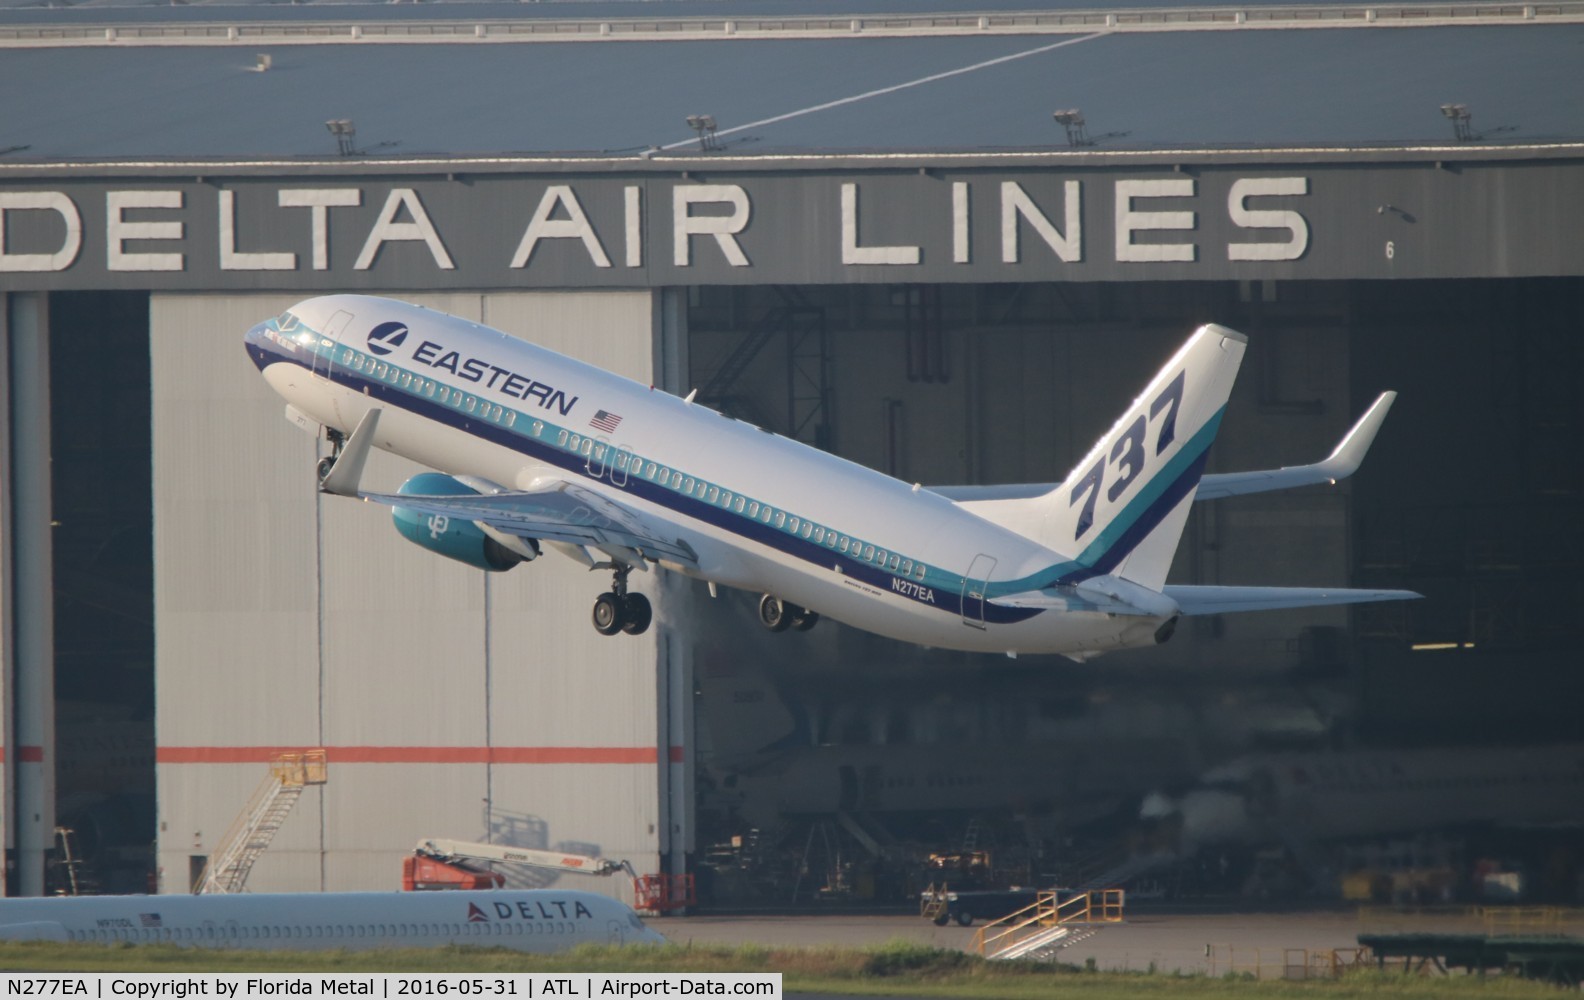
x=1122 y=509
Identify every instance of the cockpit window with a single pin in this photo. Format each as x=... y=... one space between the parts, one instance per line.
x=287 y=321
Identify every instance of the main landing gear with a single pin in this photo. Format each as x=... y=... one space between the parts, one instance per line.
x=337 y=442
x=619 y=611
x=778 y=615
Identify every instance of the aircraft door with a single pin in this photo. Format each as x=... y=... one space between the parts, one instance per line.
x=619 y=469
x=599 y=457
x=325 y=352
x=973 y=592
x=617 y=932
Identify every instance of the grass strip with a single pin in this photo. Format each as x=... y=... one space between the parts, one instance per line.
x=898 y=968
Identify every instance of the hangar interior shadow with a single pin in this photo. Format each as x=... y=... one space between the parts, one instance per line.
x=822 y=754
x=103 y=514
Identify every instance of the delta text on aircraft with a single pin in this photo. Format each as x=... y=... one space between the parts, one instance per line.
x=540 y=920
x=536 y=449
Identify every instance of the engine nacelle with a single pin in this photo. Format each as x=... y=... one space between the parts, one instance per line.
x=452 y=537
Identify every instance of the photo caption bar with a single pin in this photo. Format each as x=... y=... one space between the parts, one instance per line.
x=394 y=986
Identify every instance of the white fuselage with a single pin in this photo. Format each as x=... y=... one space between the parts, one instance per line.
x=541 y=920
x=762 y=512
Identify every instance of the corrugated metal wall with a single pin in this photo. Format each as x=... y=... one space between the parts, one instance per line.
x=451 y=705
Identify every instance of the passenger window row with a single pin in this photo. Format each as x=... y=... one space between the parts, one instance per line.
x=599 y=452
x=418 y=385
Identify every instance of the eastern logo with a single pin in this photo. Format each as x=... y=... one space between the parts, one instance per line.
x=383 y=338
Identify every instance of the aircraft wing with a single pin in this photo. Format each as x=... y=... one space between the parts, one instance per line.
x=1224 y=600
x=1341 y=463
x=560 y=511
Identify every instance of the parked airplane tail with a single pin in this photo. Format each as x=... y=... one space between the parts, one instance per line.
x=1121 y=510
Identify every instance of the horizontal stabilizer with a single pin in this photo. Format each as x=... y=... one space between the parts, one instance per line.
x=1106 y=593
x=1225 y=600
x=1067 y=599
x=1341 y=463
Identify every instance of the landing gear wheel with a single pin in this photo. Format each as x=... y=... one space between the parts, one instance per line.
x=774 y=614
x=325 y=465
x=636 y=614
x=964 y=918
x=805 y=619
x=607 y=614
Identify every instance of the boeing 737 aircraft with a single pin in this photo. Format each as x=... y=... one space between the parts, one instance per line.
x=540 y=920
x=538 y=449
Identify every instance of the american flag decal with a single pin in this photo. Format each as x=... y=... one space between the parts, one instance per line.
x=605 y=421
x=150 y=920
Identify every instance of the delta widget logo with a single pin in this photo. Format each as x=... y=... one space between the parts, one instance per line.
x=385 y=337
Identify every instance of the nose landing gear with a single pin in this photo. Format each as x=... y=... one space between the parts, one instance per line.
x=619 y=611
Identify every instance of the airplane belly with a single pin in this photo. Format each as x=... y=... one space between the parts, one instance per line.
x=313 y=396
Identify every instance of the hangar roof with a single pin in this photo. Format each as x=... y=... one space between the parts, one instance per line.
x=948 y=91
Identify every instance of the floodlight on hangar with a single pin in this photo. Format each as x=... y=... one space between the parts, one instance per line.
x=1072 y=120
x=705 y=126
x=344 y=132
x=1462 y=121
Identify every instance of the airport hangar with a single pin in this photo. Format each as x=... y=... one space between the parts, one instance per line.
x=886 y=247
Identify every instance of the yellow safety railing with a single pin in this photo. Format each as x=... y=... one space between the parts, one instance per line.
x=1096 y=906
x=1283 y=963
x=932 y=901
x=1524 y=921
x=307 y=767
x=1481 y=921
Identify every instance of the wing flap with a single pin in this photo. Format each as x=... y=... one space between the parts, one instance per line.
x=561 y=512
x=1196 y=600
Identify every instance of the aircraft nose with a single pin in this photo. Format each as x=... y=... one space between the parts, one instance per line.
x=253 y=340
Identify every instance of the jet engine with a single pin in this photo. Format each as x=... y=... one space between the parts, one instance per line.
x=455 y=538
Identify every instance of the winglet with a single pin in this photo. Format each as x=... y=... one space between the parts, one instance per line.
x=344 y=477
x=1344 y=461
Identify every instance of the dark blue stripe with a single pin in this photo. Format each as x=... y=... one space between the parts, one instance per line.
x=1147 y=522
x=663 y=496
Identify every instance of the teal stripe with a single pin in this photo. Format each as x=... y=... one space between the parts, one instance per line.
x=1192 y=451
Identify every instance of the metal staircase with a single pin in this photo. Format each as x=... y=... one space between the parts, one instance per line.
x=255 y=827
x=1049 y=924
x=1036 y=946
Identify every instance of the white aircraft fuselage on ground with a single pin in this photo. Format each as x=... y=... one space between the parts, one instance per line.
x=537 y=448
x=540 y=920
